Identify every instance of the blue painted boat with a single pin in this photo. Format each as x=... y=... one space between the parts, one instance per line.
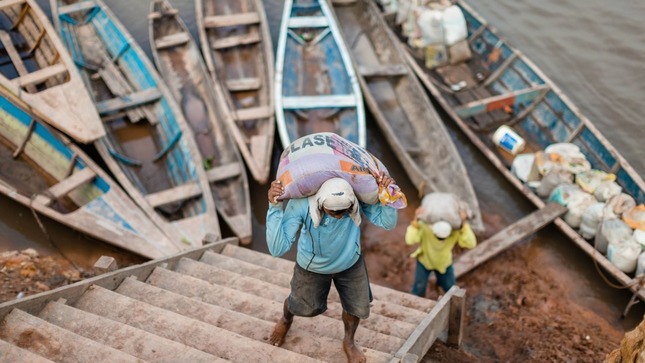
x=44 y=171
x=180 y=63
x=149 y=147
x=401 y=107
x=499 y=87
x=316 y=88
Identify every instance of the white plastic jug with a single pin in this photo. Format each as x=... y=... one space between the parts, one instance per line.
x=506 y=138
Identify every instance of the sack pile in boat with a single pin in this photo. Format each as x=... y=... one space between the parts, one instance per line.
x=597 y=206
x=313 y=159
x=437 y=29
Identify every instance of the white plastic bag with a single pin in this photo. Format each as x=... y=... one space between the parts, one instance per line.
x=624 y=255
x=578 y=203
x=591 y=218
x=611 y=231
x=620 y=203
x=454 y=25
x=443 y=207
x=552 y=179
x=606 y=190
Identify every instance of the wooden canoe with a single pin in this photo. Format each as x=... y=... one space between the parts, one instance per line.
x=180 y=63
x=316 y=86
x=37 y=72
x=237 y=47
x=149 y=147
x=503 y=87
x=401 y=107
x=44 y=171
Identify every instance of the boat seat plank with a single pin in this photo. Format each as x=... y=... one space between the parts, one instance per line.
x=243 y=84
x=505 y=238
x=172 y=40
x=216 y=21
x=383 y=70
x=308 y=22
x=11 y=50
x=79 y=6
x=40 y=75
x=167 y=12
x=326 y=101
x=176 y=194
x=65 y=186
x=9 y=3
x=500 y=101
x=223 y=172
x=254 y=113
x=236 y=40
x=135 y=99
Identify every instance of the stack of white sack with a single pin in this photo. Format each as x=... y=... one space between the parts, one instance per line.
x=445 y=207
x=596 y=204
x=437 y=30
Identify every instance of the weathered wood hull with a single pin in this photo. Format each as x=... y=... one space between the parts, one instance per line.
x=181 y=65
x=39 y=75
x=149 y=147
x=503 y=87
x=401 y=107
x=238 y=51
x=316 y=87
x=45 y=172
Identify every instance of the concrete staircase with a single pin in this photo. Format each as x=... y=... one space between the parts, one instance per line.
x=216 y=303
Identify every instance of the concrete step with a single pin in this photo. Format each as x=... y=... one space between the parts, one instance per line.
x=251 y=305
x=14 y=354
x=286 y=266
x=125 y=338
x=381 y=307
x=191 y=332
x=298 y=340
x=268 y=291
x=54 y=343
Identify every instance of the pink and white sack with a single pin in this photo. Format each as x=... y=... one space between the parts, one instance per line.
x=313 y=159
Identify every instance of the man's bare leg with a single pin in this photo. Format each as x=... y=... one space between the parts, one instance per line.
x=282 y=326
x=353 y=352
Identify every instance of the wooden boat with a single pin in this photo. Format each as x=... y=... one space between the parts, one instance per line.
x=37 y=73
x=44 y=171
x=316 y=89
x=237 y=47
x=149 y=147
x=180 y=63
x=401 y=107
x=503 y=87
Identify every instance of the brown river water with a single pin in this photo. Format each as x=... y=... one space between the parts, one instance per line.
x=594 y=51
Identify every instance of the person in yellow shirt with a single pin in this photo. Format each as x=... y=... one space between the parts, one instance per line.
x=436 y=242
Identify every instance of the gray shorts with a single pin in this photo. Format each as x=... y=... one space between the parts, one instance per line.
x=309 y=291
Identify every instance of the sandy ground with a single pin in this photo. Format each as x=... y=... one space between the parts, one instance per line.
x=511 y=316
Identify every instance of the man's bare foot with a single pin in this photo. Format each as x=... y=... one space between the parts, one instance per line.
x=354 y=353
x=279 y=332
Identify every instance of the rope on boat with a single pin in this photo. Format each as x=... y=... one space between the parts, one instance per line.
x=49 y=239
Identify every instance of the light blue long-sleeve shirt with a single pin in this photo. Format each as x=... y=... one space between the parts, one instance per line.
x=332 y=247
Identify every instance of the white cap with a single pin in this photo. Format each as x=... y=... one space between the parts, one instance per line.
x=336 y=194
x=441 y=229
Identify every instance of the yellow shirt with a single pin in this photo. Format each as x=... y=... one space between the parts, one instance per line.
x=433 y=253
